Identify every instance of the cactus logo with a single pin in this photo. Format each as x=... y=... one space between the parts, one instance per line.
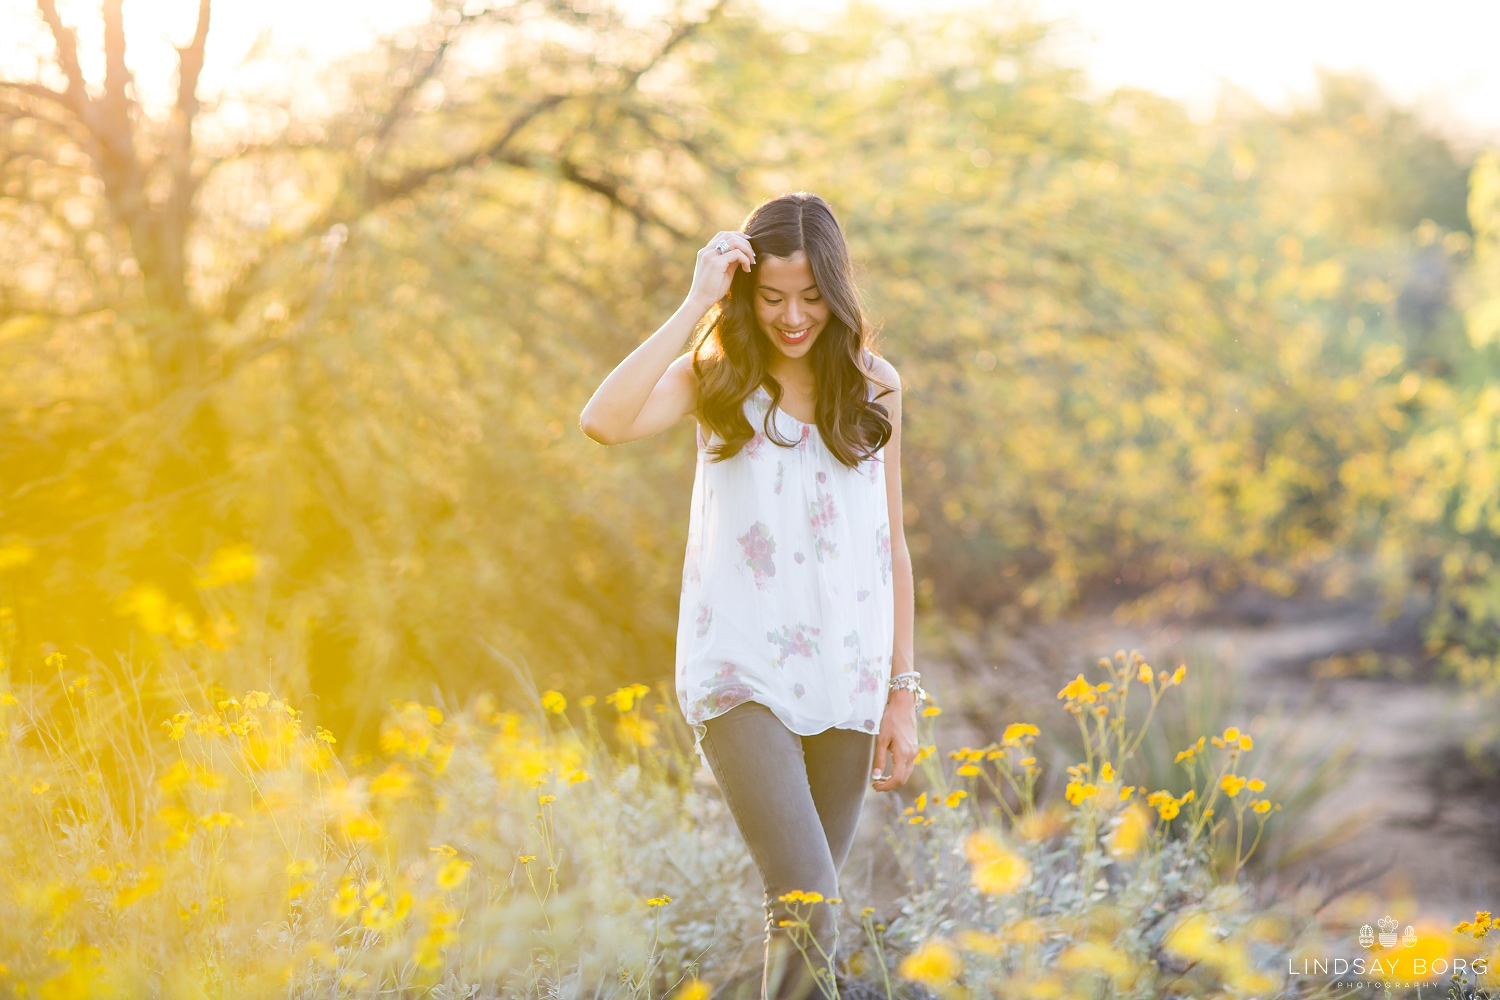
x=1388 y=925
x=1390 y=965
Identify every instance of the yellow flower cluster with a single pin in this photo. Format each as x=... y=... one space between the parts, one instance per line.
x=935 y=965
x=1166 y=805
x=995 y=869
x=1233 y=739
x=1481 y=925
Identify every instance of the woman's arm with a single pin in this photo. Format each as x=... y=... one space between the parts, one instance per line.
x=654 y=387
x=898 y=726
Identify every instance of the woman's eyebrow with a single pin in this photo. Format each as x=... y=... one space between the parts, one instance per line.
x=772 y=288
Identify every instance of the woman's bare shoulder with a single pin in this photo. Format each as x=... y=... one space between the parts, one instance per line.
x=884 y=371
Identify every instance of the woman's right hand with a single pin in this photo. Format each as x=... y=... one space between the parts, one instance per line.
x=656 y=386
x=715 y=271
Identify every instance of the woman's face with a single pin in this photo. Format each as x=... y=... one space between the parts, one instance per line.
x=788 y=305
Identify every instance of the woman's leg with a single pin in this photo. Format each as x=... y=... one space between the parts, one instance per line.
x=763 y=774
x=838 y=772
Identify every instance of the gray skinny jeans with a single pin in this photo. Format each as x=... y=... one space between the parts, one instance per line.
x=796 y=800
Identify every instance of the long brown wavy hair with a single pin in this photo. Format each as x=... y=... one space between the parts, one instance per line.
x=733 y=356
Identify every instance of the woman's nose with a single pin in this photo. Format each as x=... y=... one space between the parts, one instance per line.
x=794 y=315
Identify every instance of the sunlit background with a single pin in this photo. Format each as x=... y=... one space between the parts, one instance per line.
x=1439 y=57
x=337 y=661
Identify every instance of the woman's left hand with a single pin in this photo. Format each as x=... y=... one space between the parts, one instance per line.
x=897 y=740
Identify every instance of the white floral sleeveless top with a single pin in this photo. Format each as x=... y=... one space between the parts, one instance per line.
x=786 y=589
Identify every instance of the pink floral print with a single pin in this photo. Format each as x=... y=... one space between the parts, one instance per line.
x=868 y=671
x=795 y=640
x=822 y=513
x=789 y=544
x=759 y=547
x=883 y=548
x=726 y=689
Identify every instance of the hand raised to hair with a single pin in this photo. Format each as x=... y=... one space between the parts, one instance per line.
x=714 y=271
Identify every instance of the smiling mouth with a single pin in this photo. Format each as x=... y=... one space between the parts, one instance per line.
x=795 y=336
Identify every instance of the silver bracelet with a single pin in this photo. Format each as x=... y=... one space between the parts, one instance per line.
x=911 y=681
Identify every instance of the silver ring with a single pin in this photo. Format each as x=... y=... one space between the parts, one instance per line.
x=722 y=246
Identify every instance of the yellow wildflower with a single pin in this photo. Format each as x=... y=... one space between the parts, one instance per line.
x=326 y=736
x=996 y=869
x=1179 y=673
x=1038 y=826
x=1077 y=792
x=452 y=874
x=143 y=887
x=394 y=782
x=1231 y=734
x=981 y=943
x=6 y=698
x=934 y=964
x=931 y=710
x=954 y=798
x=924 y=752
x=1019 y=730
x=695 y=989
x=634 y=729
x=1261 y=805
x=1078 y=689
x=1107 y=772
x=1126 y=793
x=1192 y=937
x=1129 y=835
x=362 y=827
x=656 y=901
x=554 y=702
x=1232 y=784
x=230 y=564
x=1165 y=804
x=625 y=698
x=968 y=771
x=1481 y=925
x=1256 y=785
x=39 y=787
x=1144 y=674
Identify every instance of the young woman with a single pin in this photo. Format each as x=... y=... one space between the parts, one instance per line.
x=794 y=640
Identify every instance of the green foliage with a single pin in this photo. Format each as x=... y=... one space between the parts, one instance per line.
x=1149 y=361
